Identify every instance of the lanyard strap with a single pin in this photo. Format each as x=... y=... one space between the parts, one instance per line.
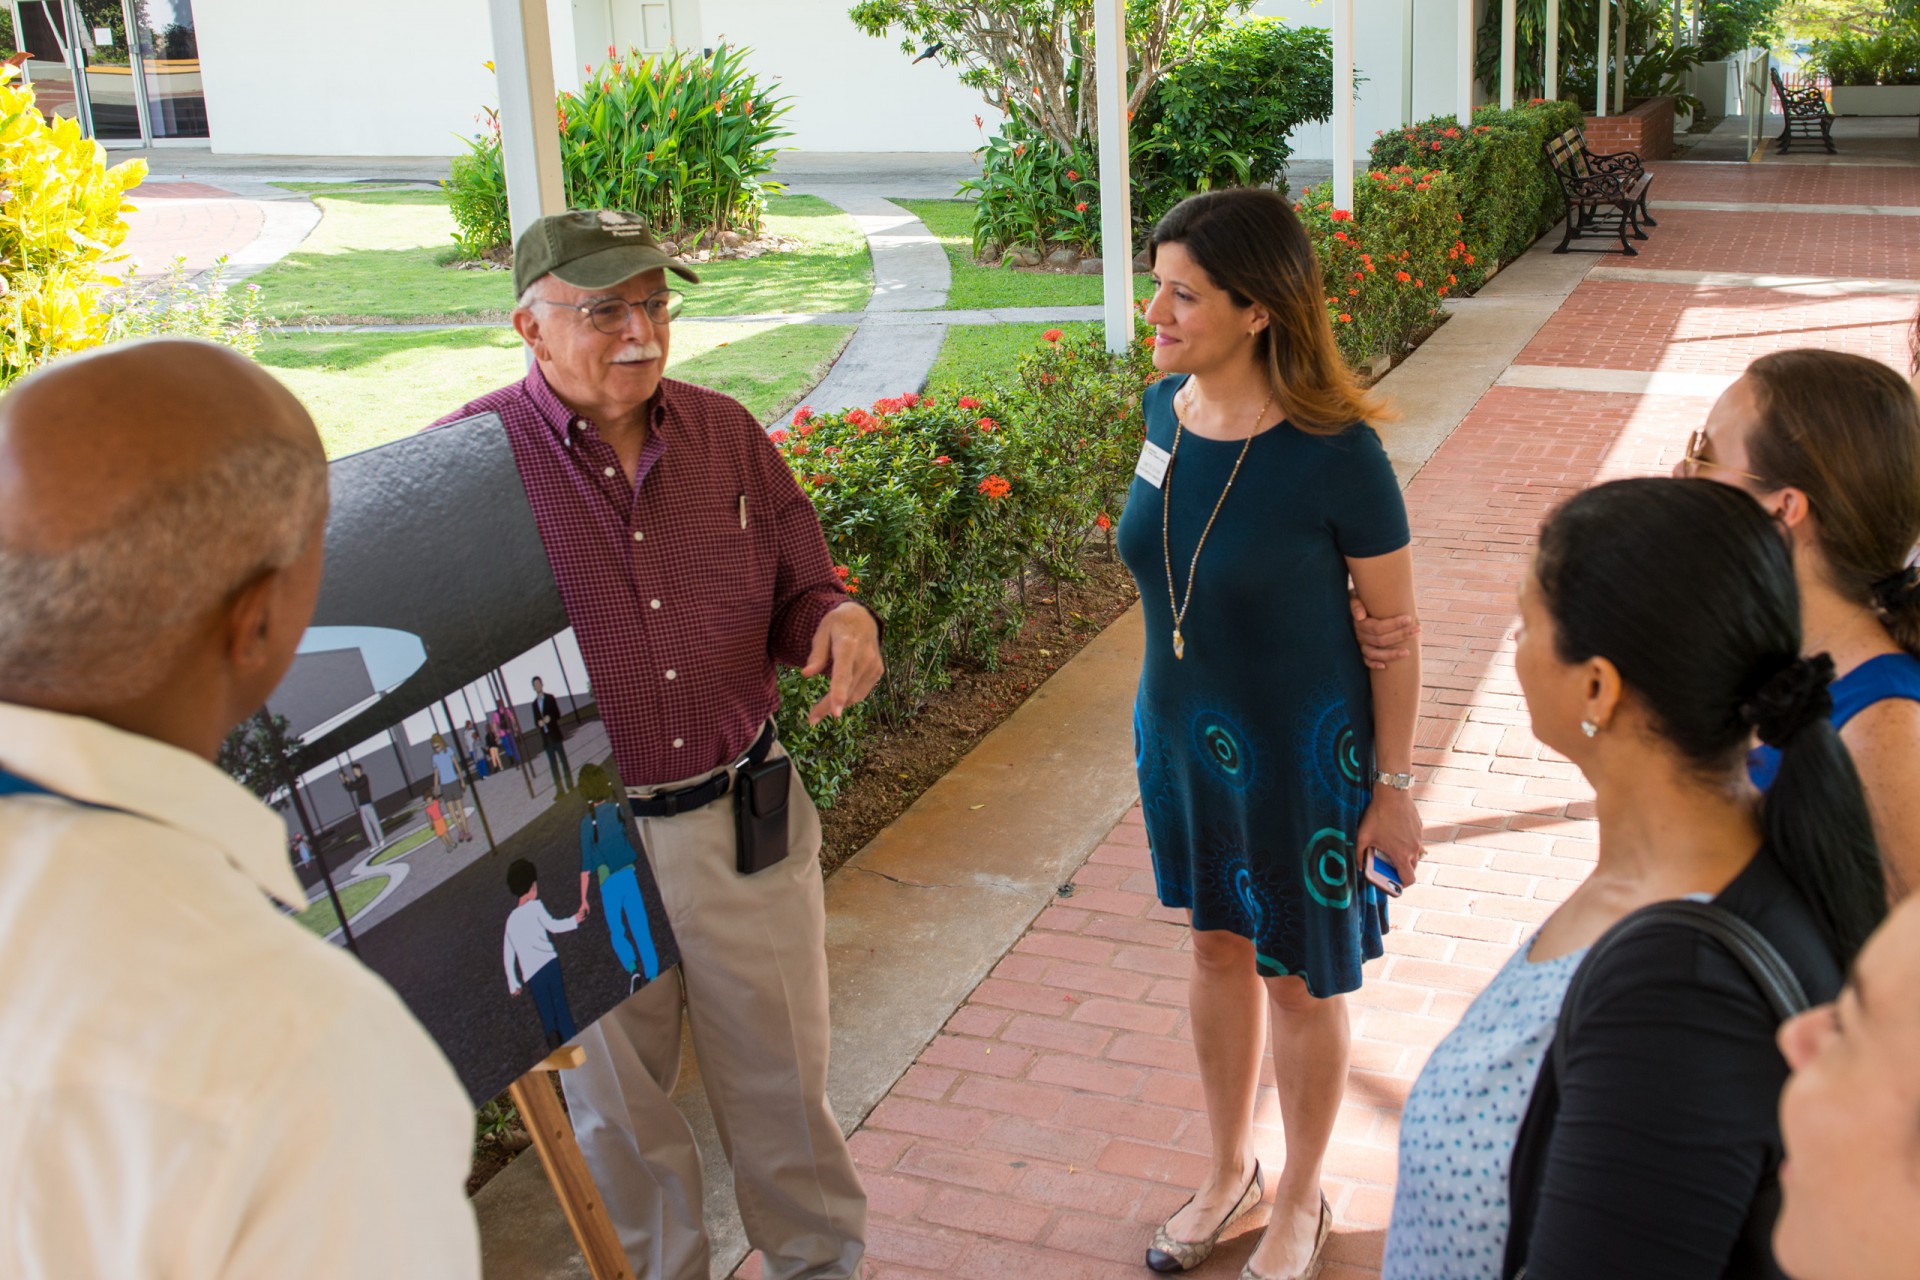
x=12 y=784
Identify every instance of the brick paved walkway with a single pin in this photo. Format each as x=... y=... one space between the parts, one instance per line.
x=188 y=220
x=1056 y=1119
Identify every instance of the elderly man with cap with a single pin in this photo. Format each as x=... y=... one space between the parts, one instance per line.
x=193 y=1084
x=690 y=562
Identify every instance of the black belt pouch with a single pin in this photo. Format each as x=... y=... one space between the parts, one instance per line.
x=760 y=813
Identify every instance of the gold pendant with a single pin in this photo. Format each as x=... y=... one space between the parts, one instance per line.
x=1179 y=644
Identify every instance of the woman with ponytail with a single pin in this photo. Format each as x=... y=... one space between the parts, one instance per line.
x=1660 y=631
x=1830 y=445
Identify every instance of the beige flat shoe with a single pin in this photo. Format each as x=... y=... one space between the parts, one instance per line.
x=1167 y=1255
x=1320 y=1238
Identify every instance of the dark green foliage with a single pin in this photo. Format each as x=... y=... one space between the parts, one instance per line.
x=685 y=140
x=1888 y=56
x=1221 y=119
x=1653 y=63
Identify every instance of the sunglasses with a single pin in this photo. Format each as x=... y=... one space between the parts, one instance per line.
x=1696 y=458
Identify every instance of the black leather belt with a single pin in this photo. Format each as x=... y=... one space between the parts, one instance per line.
x=666 y=804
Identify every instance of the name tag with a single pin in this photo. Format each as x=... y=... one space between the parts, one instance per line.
x=1152 y=466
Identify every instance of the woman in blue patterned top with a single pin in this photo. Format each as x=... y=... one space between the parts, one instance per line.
x=1830 y=445
x=1270 y=759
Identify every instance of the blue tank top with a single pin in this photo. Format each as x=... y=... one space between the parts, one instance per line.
x=1891 y=675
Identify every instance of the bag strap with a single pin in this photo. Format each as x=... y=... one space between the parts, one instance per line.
x=1746 y=944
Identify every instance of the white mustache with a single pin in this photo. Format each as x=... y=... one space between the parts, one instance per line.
x=633 y=355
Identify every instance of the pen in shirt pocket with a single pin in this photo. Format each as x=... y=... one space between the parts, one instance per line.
x=743 y=511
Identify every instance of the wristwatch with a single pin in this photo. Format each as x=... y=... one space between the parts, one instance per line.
x=1398 y=781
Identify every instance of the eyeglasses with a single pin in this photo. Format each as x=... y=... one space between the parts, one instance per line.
x=610 y=315
x=1696 y=458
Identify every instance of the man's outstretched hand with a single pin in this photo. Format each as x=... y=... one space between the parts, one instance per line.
x=848 y=642
x=1382 y=640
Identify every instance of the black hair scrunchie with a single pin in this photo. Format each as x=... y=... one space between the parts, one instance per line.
x=1791 y=699
x=1897 y=591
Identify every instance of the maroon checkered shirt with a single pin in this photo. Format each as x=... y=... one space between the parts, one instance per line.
x=680 y=611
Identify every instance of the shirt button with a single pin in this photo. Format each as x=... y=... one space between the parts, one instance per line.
x=653 y=604
x=639 y=536
x=609 y=473
x=672 y=674
x=678 y=743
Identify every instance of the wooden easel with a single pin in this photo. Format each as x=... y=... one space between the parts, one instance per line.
x=552 y=1135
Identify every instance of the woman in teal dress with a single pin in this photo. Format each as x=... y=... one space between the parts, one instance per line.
x=1829 y=443
x=1270 y=758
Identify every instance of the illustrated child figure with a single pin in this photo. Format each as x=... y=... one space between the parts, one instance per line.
x=604 y=847
x=437 y=816
x=528 y=948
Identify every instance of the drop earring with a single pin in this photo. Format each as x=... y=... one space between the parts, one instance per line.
x=1589 y=728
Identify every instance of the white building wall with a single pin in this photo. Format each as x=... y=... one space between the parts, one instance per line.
x=850 y=91
x=349 y=77
x=376 y=77
x=1379 y=44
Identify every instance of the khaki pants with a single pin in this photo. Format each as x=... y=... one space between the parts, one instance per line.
x=753 y=965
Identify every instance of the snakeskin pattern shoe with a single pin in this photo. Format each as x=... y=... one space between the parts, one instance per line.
x=1167 y=1255
x=1320 y=1237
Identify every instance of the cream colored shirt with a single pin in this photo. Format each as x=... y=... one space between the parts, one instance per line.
x=192 y=1086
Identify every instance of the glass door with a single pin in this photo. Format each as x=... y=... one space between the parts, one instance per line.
x=127 y=70
x=170 y=68
x=104 y=56
x=41 y=31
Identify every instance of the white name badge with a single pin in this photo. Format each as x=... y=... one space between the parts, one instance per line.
x=1153 y=463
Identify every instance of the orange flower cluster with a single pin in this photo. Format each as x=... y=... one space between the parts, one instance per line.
x=995 y=487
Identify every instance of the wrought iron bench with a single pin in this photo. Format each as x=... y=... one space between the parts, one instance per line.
x=1606 y=191
x=1806 y=113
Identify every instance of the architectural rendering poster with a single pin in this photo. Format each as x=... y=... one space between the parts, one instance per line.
x=448 y=786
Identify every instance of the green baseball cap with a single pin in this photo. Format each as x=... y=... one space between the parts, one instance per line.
x=590 y=249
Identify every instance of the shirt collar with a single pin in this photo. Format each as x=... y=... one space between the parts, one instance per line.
x=95 y=763
x=562 y=420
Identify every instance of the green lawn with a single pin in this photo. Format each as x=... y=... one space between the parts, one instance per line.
x=974 y=353
x=320 y=916
x=402 y=847
x=975 y=286
x=365 y=389
x=380 y=255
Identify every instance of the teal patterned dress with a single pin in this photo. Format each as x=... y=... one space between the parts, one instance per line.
x=1255 y=751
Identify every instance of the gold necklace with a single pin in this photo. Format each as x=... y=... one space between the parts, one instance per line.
x=1179 y=607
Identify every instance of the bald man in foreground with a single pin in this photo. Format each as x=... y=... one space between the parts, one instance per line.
x=192 y=1086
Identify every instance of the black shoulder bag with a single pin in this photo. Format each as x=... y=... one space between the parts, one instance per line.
x=1748 y=946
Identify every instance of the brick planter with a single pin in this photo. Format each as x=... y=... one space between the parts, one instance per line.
x=1646 y=128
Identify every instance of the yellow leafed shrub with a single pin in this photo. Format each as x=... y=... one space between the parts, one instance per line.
x=60 y=230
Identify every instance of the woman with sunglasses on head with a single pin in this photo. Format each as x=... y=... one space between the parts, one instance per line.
x=1660 y=629
x=1830 y=445
x=1270 y=759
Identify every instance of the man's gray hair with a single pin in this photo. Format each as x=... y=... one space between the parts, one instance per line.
x=107 y=616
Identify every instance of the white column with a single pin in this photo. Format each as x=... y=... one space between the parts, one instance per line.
x=1406 y=62
x=1551 y=89
x=1620 y=59
x=1465 y=110
x=1604 y=16
x=529 y=133
x=1343 y=104
x=1509 y=20
x=1116 y=183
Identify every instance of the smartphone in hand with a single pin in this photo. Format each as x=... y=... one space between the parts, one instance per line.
x=1382 y=875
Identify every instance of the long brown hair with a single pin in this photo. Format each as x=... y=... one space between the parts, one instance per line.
x=1250 y=243
x=1845 y=431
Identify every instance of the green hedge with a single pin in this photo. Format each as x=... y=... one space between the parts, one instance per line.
x=1508 y=193
x=1387 y=265
x=934 y=508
